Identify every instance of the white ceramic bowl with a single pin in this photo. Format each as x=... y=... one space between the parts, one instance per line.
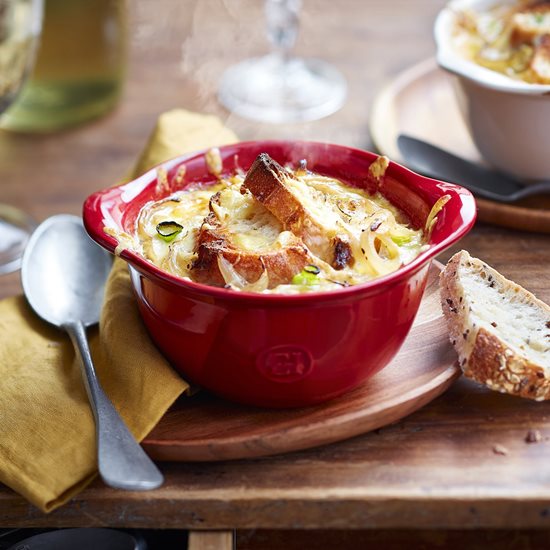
x=509 y=120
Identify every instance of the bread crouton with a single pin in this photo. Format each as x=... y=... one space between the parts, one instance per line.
x=530 y=23
x=540 y=63
x=249 y=242
x=288 y=200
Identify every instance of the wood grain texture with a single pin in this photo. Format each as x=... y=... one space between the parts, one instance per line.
x=421 y=102
x=210 y=540
x=205 y=428
x=392 y=540
x=435 y=469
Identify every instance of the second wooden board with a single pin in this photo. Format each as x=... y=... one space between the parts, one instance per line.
x=206 y=428
x=421 y=102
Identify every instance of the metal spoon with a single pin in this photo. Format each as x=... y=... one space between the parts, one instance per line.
x=435 y=162
x=63 y=275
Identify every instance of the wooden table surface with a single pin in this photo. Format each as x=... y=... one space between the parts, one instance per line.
x=438 y=467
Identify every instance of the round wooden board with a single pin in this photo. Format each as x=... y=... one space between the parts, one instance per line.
x=206 y=428
x=420 y=102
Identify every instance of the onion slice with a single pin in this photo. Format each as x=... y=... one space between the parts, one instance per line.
x=237 y=281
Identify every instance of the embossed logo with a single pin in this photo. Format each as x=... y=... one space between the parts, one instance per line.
x=285 y=363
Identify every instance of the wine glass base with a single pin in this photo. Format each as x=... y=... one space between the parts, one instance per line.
x=269 y=89
x=15 y=229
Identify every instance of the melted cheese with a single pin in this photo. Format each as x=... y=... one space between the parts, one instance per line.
x=250 y=225
x=378 y=234
x=509 y=39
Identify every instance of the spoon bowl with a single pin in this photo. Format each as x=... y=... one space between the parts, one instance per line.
x=63 y=274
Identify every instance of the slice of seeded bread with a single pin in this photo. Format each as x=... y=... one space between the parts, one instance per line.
x=500 y=331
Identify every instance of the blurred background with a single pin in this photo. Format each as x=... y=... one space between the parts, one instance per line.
x=176 y=53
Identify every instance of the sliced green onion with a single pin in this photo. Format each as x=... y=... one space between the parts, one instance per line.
x=400 y=240
x=305 y=278
x=168 y=231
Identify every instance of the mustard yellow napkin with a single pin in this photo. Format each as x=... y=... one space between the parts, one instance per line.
x=47 y=432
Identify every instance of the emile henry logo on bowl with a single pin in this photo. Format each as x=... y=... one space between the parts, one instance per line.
x=286 y=363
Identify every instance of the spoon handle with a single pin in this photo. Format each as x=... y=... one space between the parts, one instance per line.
x=122 y=462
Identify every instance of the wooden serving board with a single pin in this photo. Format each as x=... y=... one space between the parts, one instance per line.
x=421 y=102
x=206 y=428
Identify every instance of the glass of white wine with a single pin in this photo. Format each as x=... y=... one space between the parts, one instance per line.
x=280 y=87
x=79 y=69
x=20 y=24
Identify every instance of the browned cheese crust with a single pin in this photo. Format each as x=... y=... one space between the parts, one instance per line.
x=266 y=181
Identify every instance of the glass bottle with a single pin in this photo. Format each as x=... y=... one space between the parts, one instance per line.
x=79 y=68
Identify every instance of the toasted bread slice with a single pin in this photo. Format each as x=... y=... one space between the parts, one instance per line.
x=289 y=200
x=240 y=233
x=540 y=63
x=530 y=23
x=500 y=331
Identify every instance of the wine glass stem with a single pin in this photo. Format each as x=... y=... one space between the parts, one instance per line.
x=282 y=19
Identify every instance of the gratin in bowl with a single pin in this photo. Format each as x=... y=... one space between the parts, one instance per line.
x=276 y=350
x=508 y=119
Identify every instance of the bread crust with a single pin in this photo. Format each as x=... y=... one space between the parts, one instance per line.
x=540 y=64
x=214 y=240
x=483 y=355
x=523 y=33
x=494 y=364
x=266 y=181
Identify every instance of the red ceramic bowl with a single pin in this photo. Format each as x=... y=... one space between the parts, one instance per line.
x=277 y=350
